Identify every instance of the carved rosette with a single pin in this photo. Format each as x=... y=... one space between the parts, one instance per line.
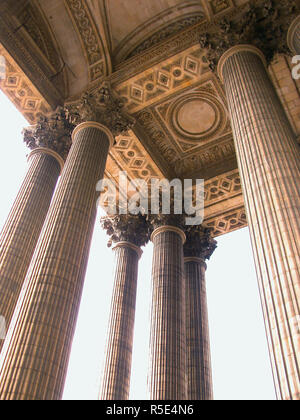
x=199 y=242
x=52 y=131
x=261 y=24
x=127 y=228
x=104 y=107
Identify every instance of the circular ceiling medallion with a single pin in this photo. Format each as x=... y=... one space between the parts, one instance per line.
x=195 y=117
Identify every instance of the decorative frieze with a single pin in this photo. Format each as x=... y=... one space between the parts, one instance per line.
x=227 y=222
x=91 y=41
x=21 y=91
x=168 y=31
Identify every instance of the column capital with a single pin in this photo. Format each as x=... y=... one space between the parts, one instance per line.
x=101 y=105
x=235 y=50
x=199 y=243
x=126 y=228
x=52 y=132
x=171 y=219
x=197 y=260
x=93 y=124
x=291 y=34
x=125 y=244
x=262 y=24
x=167 y=228
x=46 y=151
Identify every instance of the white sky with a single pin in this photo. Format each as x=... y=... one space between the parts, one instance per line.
x=241 y=366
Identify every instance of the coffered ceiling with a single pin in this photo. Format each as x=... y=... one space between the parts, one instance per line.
x=150 y=52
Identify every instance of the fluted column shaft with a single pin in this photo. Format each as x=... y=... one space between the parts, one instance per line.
x=167 y=380
x=294 y=36
x=269 y=163
x=35 y=355
x=199 y=371
x=23 y=226
x=117 y=369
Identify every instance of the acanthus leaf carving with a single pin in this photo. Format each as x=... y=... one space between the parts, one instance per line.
x=103 y=106
x=262 y=24
x=199 y=242
x=126 y=227
x=52 y=131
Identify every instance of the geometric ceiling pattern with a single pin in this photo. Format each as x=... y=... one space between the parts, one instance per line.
x=150 y=53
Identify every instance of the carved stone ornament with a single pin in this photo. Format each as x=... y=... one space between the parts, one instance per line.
x=199 y=242
x=102 y=106
x=52 y=131
x=263 y=24
x=128 y=228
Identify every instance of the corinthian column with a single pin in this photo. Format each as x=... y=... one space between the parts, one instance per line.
x=167 y=376
x=130 y=233
x=293 y=38
x=35 y=356
x=50 y=141
x=198 y=248
x=269 y=162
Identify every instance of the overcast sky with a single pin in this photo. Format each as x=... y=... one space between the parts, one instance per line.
x=241 y=367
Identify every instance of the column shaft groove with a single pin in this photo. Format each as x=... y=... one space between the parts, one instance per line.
x=23 y=226
x=269 y=163
x=296 y=39
x=167 y=379
x=35 y=355
x=199 y=371
x=117 y=369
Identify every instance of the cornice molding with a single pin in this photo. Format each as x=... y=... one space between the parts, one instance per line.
x=21 y=91
x=166 y=49
x=92 y=45
x=36 y=69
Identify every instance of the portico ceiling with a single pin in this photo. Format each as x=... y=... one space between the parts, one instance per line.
x=149 y=50
x=134 y=25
